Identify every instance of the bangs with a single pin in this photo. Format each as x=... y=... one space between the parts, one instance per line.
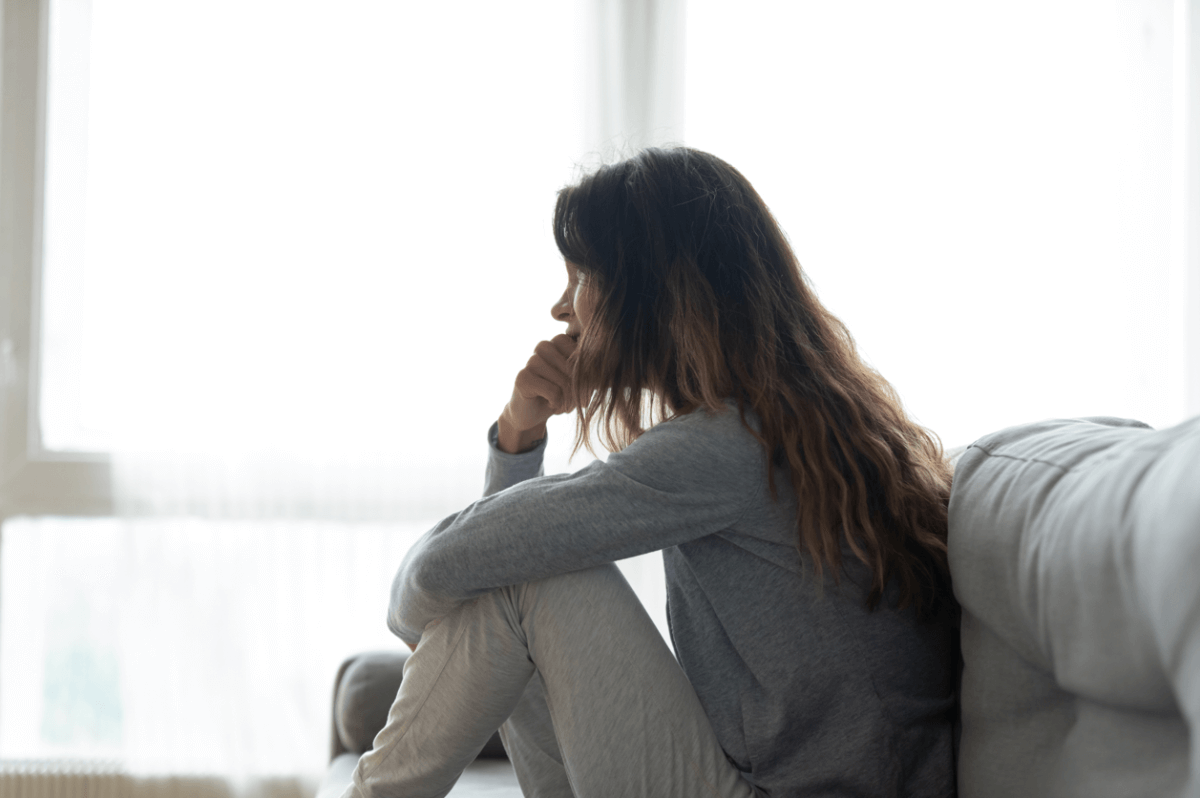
x=567 y=235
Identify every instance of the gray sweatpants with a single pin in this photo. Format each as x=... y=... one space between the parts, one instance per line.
x=591 y=700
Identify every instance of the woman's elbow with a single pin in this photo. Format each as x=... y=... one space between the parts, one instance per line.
x=397 y=603
x=411 y=582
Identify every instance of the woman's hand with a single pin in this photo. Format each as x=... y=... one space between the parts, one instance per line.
x=542 y=389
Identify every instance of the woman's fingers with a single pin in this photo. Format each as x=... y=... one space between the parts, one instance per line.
x=556 y=386
x=555 y=353
x=534 y=398
x=543 y=387
x=565 y=343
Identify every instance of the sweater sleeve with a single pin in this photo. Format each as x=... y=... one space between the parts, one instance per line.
x=505 y=470
x=683 y=479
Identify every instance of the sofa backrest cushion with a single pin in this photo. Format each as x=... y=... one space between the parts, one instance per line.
x=1075 y=553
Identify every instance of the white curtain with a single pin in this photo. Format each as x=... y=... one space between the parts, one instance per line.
x=635 y=75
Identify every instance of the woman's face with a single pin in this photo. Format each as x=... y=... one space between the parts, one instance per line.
x=576 y=304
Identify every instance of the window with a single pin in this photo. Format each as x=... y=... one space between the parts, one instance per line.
x=289 y=263
x=267 y=270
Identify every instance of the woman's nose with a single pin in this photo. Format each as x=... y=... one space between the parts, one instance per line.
x=562 y=311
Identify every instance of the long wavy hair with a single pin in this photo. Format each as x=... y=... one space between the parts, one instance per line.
x=698 y=299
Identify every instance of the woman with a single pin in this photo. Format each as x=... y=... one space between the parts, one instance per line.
x=801 y=514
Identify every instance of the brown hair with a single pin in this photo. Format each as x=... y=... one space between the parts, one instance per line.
x=699 y=298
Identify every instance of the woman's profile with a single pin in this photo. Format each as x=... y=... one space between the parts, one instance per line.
x=801 y=515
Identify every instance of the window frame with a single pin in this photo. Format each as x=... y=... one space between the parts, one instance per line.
x=33 y=480
x=1185 y=210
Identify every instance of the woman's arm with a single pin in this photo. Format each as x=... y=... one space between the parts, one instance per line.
x=505 y=470
x=682 y=480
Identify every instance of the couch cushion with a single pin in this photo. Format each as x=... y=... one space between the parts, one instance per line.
x=1075 y=549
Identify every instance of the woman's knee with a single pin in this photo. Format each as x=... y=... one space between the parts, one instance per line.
x=601 y=583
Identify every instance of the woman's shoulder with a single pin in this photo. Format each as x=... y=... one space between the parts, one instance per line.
x=701 y=438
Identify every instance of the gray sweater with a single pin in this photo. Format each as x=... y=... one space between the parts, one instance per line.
x=808 y=693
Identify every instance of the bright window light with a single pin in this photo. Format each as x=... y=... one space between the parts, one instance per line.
x=299 y=227
x=979 y=190
x=275 y=232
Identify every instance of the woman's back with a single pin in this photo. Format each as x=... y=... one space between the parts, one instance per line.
x=807 y=690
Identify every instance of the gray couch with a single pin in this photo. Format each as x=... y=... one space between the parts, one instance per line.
x=1075 y=551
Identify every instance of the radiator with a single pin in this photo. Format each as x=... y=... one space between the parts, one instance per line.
x=97 y=779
